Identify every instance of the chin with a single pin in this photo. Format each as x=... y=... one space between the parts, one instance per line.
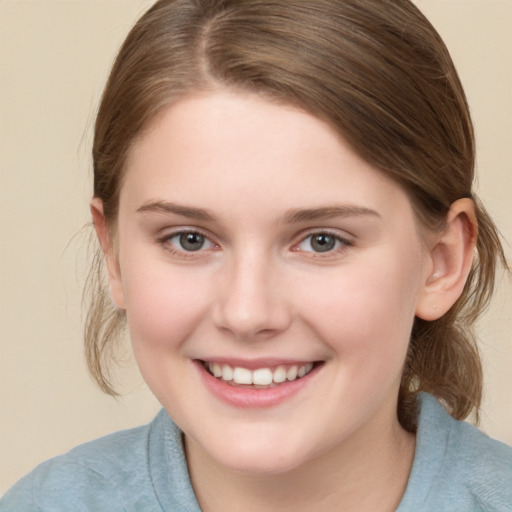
x=259 y=464
x=258 y=455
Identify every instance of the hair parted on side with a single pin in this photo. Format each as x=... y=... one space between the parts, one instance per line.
x=375 y=70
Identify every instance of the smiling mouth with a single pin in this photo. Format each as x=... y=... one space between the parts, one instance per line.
x=260 y=378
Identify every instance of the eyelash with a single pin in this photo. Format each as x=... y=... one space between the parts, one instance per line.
x=341 y=243
x=166 y=242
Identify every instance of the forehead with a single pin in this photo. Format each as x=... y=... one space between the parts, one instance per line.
x=231 y=150
x=224 y=121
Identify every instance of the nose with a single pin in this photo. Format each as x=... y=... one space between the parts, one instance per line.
x=251 y=300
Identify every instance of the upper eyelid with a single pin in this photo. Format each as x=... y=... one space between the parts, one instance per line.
x=164 y=241
x=345 y=242
x=172 y=232
x=167 y=235
x=344 y=237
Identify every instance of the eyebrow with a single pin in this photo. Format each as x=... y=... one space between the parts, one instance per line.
x=293 y=216
x=327 y=212
x=176 y=209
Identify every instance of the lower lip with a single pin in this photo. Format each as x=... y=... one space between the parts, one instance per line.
x=245 y=397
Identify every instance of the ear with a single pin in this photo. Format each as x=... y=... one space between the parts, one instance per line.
x=451 y=255
x=109 y=253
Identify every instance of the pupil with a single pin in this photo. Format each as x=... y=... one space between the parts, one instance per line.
x=191 y=241
x=323 y=243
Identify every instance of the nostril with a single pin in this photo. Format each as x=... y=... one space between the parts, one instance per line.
x=261 y=322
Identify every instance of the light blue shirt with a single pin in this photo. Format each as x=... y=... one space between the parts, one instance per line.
x=456 y=469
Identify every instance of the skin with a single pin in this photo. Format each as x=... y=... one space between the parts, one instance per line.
x=237 y=169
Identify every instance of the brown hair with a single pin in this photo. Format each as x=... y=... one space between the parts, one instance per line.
x=378 y=72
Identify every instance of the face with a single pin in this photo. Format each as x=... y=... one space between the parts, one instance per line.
x=270 y=279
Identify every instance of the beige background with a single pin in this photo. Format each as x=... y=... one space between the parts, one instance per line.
x=54 y=56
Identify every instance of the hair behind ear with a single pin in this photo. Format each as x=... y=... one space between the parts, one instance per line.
x=443 y=357
x=104 y=323
x=105 y=319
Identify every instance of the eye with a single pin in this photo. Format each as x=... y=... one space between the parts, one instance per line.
x=322 y=242
x=189 y=241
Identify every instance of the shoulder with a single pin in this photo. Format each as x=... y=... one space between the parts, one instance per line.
x=96 y=476
x=457 y=467
x=482 y=464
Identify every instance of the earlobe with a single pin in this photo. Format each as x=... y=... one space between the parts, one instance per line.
x=451 y=256
x=109 y=253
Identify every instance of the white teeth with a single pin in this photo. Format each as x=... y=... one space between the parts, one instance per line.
x=261 y=376
x=215 y=369
x=242 y=375
x=304 y=369
x=279 y=374
x=291 y=374
x=227 y=372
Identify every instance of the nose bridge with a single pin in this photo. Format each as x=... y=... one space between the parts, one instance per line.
x=250 y=301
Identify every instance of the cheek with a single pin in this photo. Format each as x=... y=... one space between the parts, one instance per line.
x=367 y=325
x=164 y=309
x=163 y=304
x=366 y=312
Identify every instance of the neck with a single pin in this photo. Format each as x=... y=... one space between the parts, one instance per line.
x=368 y=472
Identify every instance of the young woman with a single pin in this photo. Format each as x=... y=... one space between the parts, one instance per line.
x=283 y=199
